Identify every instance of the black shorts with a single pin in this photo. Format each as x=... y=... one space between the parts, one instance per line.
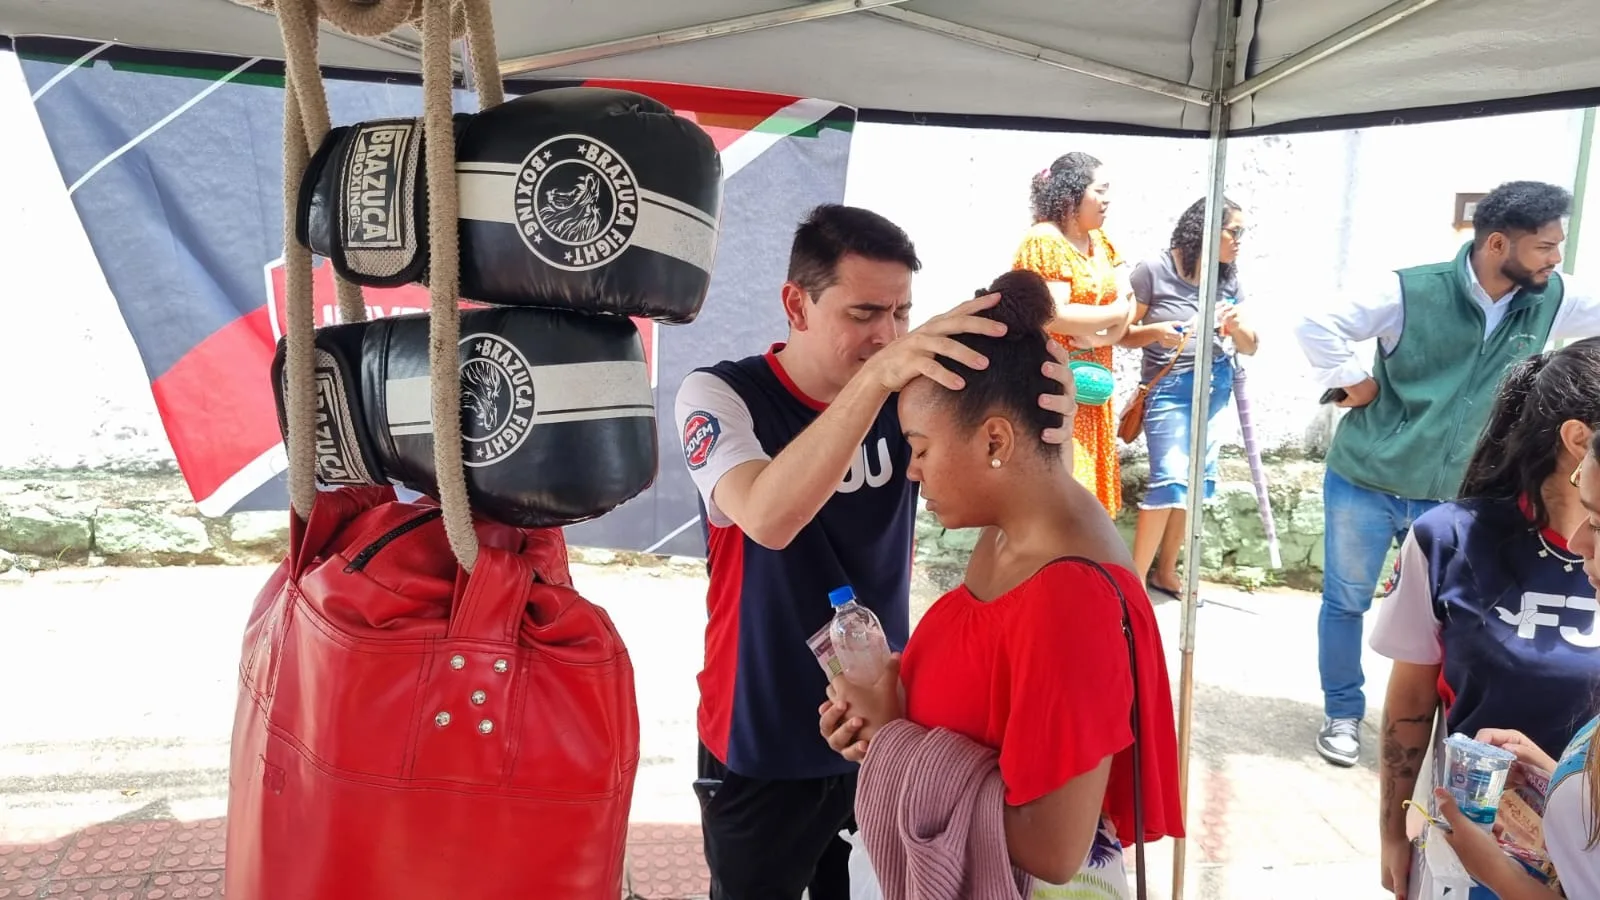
x=773 y=840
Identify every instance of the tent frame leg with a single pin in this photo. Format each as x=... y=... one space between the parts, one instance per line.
x=1224 y=65
x=1580 y=192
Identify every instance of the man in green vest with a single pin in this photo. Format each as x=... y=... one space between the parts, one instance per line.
x=1446 y=333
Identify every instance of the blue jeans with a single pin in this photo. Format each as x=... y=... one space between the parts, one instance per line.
x=1168 y=411
x=1359 y=527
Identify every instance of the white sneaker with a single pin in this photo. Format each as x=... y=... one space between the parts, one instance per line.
x=1339 y=741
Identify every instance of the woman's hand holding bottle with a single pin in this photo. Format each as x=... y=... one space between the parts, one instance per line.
x=853 y=713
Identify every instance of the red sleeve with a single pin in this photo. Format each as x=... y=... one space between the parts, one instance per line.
x=1069 y=686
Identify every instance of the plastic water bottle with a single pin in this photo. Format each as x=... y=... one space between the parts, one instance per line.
x=1227 y=302
x=857 y=636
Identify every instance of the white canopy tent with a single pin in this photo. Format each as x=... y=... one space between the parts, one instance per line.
x=1132 y=65
x=1201 y=68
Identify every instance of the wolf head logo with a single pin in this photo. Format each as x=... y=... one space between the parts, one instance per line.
x=573 y=214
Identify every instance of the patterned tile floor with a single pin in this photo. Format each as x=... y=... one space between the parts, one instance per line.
x=666 y=861
x=120 y=861
x=171 y=860
x=136 y=743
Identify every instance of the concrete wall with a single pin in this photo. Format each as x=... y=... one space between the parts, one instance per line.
x=1325 y=211
x=77 y=394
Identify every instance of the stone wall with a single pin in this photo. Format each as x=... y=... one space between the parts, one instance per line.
x=50 y=519
x=1234 y=547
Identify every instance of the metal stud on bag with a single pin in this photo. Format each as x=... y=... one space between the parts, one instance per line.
x=458 y=661
x=442 y=719
x=478 y=698
x=485 y=726
x=501 y=666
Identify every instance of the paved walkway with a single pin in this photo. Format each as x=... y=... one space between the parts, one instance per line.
x=120 y=692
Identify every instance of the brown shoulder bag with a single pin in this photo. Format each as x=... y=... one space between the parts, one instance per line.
x=1131 y=424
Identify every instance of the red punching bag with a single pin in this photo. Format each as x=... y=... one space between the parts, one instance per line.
x=408 y=731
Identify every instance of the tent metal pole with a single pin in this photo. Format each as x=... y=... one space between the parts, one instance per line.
x=805 y=12
x=1223 y=67
x=1049 y=56
x=1333 y=43
x=1580 y=191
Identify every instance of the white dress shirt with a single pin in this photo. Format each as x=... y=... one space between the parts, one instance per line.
x=1328 y=335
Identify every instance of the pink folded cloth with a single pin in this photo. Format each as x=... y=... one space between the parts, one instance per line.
x=930 y=806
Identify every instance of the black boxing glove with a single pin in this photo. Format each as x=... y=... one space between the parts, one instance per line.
x=345 y=450
x=364 y=202
x=558 y=419
x=590 y=199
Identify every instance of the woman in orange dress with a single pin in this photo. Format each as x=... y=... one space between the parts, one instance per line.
x=1067 y=248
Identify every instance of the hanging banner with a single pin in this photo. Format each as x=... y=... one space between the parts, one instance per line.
x=174 y=164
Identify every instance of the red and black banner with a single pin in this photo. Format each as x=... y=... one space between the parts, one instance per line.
x=174 y=164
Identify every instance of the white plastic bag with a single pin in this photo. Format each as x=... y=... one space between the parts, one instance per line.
x=1436 y=871
x=863 y=881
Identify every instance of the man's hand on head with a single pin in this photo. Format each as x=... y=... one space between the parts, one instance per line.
x=1066 y=403
x=913 y=356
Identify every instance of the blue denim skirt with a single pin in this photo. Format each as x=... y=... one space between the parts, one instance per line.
x=1166 y=433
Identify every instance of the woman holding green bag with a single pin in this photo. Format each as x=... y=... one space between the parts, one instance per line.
x=1167 y=306
x=1068 y=248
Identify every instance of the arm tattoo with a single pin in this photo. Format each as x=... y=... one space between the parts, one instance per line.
x=1405 y=741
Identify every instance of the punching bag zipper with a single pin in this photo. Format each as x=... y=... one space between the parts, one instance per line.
x=367 y=553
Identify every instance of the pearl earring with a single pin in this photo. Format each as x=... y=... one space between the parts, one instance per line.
x=994 y=463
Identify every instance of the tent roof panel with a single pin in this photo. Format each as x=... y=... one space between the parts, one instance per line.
x=886 y=61
x=1455 y=52
x=866 y=60
x=1151 y=36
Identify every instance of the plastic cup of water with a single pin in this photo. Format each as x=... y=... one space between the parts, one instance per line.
x=1475 y=775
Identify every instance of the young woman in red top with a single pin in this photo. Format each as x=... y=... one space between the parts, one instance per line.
x=1028 y=656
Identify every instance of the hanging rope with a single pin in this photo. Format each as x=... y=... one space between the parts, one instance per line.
x=481 y=53
x=306 y=124
x=298 y=22
x=444 y=278
x=299 y=388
